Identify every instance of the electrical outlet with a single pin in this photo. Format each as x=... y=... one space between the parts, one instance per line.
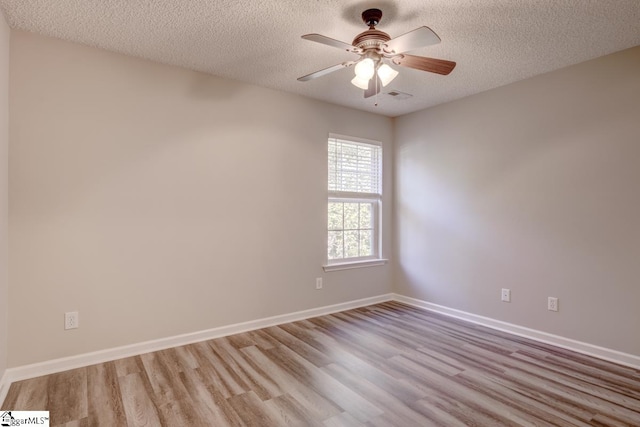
x=318 y=282
x=552 y=304
x=506 y=295
x=71 y=320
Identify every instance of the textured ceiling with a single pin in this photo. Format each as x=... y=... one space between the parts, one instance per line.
x=494 y=42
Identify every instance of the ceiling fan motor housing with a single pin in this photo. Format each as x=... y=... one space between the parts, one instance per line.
x=371 y=39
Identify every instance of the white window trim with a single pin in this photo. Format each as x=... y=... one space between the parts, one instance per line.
x=354 y=264
x=376 y=198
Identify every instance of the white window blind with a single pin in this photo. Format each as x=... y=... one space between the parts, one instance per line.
x=354 y=167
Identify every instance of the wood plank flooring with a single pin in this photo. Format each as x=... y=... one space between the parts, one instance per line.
x=384 y=365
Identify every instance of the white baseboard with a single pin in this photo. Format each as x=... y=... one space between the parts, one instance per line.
x=4 y=387
x=58 y=365
x=626 y=359
x=64 y=364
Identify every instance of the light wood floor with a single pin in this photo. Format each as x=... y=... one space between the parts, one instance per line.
x=383 y=365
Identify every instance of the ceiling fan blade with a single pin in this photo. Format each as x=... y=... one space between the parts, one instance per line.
x=420 y=37
x=325 y=71
x=374 y=87
x=318 y=38
x=439 y=66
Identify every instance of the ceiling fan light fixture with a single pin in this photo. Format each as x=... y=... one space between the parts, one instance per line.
x=365 y=69
x=386 y=74
x=361 y=83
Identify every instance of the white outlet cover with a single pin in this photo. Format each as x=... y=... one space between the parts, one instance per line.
x=506 y=295
x=552 y=304
x=71 y=320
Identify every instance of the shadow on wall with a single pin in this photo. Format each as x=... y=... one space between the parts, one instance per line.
x=207 y=87
x=429 y=233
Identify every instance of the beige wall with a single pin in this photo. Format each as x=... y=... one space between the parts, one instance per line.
x=4 y=190
x=535 y=187
x=158 y=201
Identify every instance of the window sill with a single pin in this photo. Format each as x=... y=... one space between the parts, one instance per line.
x=354 y=264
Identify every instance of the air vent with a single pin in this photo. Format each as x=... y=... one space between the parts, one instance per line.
x=396 y=94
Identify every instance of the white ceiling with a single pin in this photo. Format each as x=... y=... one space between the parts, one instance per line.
x=494 y=42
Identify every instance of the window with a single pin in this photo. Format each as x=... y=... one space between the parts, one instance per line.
x=355 y=197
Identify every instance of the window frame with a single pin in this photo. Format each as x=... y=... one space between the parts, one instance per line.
x=356 y=197
x=375 y=228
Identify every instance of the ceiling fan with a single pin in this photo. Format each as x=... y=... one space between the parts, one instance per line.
x=377 y=50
